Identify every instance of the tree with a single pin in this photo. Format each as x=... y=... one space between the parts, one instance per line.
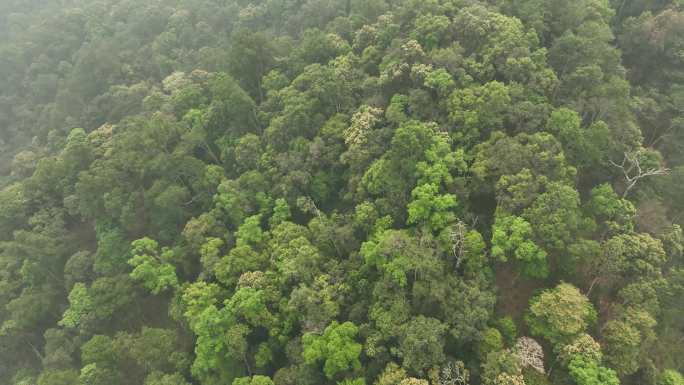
x=430 y=30
x=92 y=374
x=297 y=260
x=281 y=212
x=635 y=255
x=516 y=192
x=421 y=344
x=633 y=170
x=393 y=374
x=239 y=260
x=671 y=377
x=365 y=119
x=101 y=359
x=396 y=253
x=12 y=209
x=626 y=340
x=583 y=346
x=59 y=349
x=388 y=313
x=492 y=41
x=220 y=346
x=356 y=381
x=317 y=305
x=465 y=248
x=302 y=192
x=80 y=307
x=491 y=342
x=152 y=348
x=250 y=233
x=395 y=172
x=230 y=103
x=112 y=250
x=441 y=163
x=587 y=372
x=252 y=57
x=158 y=378
x=511 y=237
x=585 y=147
x=255 y=380
x=531 y=354
x=502 y=368
x=100 y=351
x=209 y=254
x=431 y=209
x=479 y=110
x=250 y=305
x=58 y=377
x=337 y=348
x=465 y=305
x=151 y=267
x=640 y=50
x=413 y=381
x=616 y=214
x=541 y=153
x=441 y=81
x=112 y=297
x=556 y=218
x=454 y=373
x=560 y=314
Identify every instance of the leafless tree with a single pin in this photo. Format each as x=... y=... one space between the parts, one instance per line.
x=633 y=172
x=457 y=235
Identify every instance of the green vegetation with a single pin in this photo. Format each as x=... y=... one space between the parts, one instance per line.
x=341 y=192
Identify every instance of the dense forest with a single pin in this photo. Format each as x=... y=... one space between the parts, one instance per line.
x=341 y=192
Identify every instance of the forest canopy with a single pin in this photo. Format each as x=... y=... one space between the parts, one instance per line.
x=341 y=192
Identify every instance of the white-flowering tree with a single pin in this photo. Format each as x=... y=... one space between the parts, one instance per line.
x=454 y=373
x=531 y=354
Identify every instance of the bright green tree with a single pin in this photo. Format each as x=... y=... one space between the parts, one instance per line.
x=80 y=306
x=151 y=267
x=431 y=209
x=671 y=377
x=587 y=372
x=511 y=238
x=337 y=348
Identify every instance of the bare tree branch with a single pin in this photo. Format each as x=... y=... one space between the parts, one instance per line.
x=633 y=172
x=457 y=235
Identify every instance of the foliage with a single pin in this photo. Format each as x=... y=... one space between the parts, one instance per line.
x=431 y=209
x=255 y=380
x=511 y=236
x=422 y=344
x=586 y=371
x=151 y=267
x=671 y=377
x=336 y=347
x=560 y=314
x=322 y=192
x=80 y=305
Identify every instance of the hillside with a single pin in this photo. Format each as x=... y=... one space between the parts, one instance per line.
x=341 y=192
